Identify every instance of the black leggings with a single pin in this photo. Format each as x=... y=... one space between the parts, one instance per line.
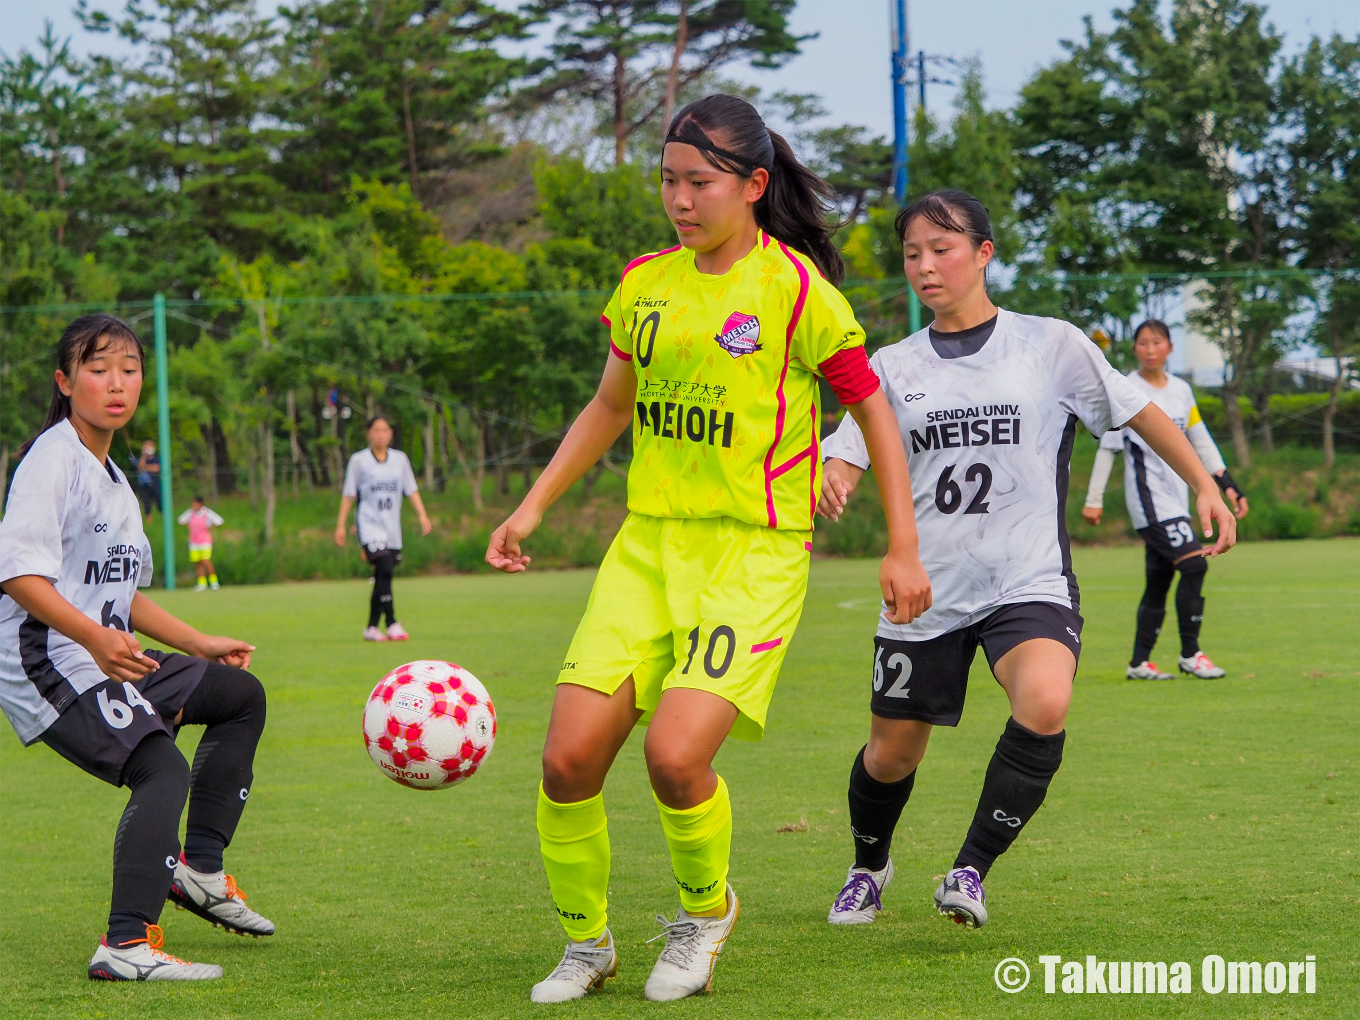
x=1152 y=608
x=231 y=704
x=380 y=604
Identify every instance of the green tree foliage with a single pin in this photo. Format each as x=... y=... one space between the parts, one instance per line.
x=633 y=57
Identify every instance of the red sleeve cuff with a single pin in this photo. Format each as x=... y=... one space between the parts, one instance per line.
x=622 y=355
x=851 y=376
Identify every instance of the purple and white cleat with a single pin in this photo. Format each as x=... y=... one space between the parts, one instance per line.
x=859 y=900
x=960 y=896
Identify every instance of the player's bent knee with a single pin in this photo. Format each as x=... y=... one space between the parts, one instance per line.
x=570 y=774
x=1192 y=566
x=888 y=762
x=677 y=777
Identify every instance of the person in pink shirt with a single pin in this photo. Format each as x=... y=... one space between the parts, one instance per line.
x=200 y=521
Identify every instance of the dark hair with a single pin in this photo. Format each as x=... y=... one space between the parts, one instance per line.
x=949 y=209
x=1156 y=325
x=796 y=203
x=197 y=499
x=377 y=418
x=80 y=341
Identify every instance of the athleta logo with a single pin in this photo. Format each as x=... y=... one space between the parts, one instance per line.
x=740 y=334
x=1010 y=820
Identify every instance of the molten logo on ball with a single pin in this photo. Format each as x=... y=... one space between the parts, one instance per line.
x=429 y=724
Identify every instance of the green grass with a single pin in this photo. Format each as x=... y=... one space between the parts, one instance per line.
x=1189 y=818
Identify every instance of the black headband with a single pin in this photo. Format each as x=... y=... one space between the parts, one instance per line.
x=689 y=133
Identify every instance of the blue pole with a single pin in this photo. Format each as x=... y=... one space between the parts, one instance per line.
x=163 y=428
x=900 y=60
x=899 y=84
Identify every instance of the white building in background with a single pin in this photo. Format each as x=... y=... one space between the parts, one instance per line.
x=1195 y=357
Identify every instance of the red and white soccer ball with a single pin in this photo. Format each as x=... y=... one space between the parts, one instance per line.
x=429 y=724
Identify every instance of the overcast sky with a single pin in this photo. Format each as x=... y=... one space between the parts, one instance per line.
x=848 y=64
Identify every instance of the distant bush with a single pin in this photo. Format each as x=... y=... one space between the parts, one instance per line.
x=1294 y=417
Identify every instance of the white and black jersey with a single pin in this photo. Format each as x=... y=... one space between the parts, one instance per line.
x=75 y=522
x=988 y=423
x=1153 y=491
x=379 y=487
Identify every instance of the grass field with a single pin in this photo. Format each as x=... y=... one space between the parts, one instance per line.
x=1189 y=818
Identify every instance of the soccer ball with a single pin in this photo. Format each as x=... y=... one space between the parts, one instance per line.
x=429 y=724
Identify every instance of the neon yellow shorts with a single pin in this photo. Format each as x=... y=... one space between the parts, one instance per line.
x=200 y=554
x=708 y=604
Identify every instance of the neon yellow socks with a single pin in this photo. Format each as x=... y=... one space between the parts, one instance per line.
x=202 y=582
x=212 y=578
x=700 y=839
x=574 y=841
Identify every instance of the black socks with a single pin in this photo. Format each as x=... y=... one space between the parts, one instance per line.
x=231 y=703
x=1152 y=609
x=874 y=810
x=1017 y=780
x=380 y=603
x=146 y=844
x=1190 y=603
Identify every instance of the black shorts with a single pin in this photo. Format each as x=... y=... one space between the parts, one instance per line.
x=101 y=728
x=373 y=556
x=927 y=680
x=1171 y=540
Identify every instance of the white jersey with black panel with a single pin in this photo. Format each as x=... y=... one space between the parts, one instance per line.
x=1152 y=490
x=989 y=437
x=75 y=522
x=379 y=486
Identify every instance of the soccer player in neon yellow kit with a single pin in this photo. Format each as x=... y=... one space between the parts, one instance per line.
x=715 y=351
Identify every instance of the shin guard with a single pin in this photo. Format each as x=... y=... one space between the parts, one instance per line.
x=574 y=841
x=1017 y=781
x=700 y=840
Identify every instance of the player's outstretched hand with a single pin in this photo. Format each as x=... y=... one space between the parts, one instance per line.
x=228 y=651
x=906 y=588
x=502 y=552
x=119 y=655
x=1092 y=514
x=1212 y=510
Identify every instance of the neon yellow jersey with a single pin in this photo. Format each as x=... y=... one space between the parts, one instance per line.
x=727 y=400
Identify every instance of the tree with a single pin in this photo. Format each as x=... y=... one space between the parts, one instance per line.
x=1159 y=132
x=392 y=91
x=1320 y=103
x=613 y=52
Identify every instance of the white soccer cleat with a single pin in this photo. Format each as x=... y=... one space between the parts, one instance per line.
x=396 y=632
x=1200 y=665
x=1147 y=670
x=585 y=967
x=960 y=896
x=374 y=634
x=214 y=586
x=216 y=899
x=692 y=947
x=858 y=901
x=143 y=960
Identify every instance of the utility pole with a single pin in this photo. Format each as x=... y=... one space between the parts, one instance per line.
x=163 y=428
x=901 y=60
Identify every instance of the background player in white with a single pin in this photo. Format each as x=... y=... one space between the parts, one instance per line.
x=72 y=556
x=988 y=403
x=377 y=478
x=1157 y=502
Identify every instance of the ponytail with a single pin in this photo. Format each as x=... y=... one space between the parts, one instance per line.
x=80 y=341
x=796 y=205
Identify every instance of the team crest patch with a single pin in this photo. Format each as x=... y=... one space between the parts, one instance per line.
x=740 y=334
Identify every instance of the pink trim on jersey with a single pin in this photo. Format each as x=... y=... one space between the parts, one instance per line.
x=622 y=355
x=765 y=646
x=807 y=546
x=812 y=469
x=803 y=284
x=790 y=463
x=605 y=320
x=764 y=239
x=641 y=259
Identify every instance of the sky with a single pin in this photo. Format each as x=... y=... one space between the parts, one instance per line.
x=848 y=63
